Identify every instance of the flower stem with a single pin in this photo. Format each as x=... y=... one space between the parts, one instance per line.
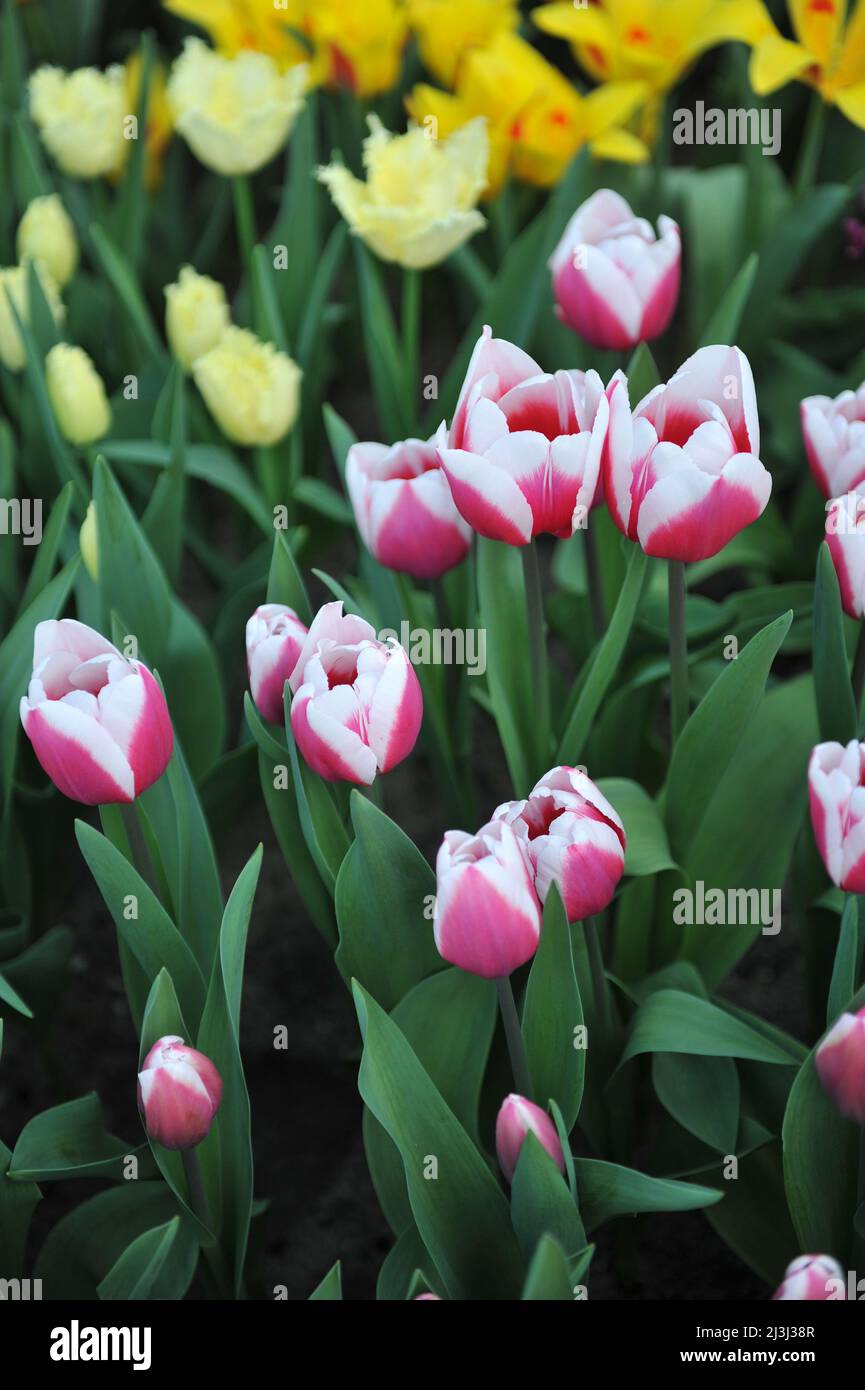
x=858 y=676
x=812 y=144
x=195 y=1183
x=537 y=649
x=244 y=219
x=593 y=583
x=411 y=307
x=678 y=649
x=513 y=1034
x=599 y=978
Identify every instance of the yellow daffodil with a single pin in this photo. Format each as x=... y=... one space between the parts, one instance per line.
x=827 y=53
x=46 y=234
x=447 y=29
x=418 y=203
x=537 y=120
x=77 y=394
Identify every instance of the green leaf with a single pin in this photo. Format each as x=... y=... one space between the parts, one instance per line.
x=643 y=375
x=702 y=1093
x=129 y=573
x=753 y=1218
x=383 y=351
x=541 y=1203
x=340 y=437
x=504 y=615
x=836 y=709
x=647 y=851
x=157 y=1265
x=209 y=463
x=67 y=1141
x=285 y=581
x=673 y=1021
x=123 y=281
x=552 y=1014
x=17 y=1203
x=85 y=1243
x=848 y=959
x=548 y=1278
x=723 y=326
x=330 y=1288
x=608 y=1190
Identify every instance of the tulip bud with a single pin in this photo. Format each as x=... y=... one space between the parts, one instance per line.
x=77 y=394
x=251 y=390
x=840 y=1062
x=46 y=233
x=80 y=117
x=845 y=538
x=614 y=282
x=14 y=287
x=274 y=638
x=426 y=1298
x=812 y=1278
x=88 y=542
x=196 y=315
x=835 y=777
x=515 y=1119
x=834 y=434
x=179 y=1091
x=357 y=705
x=98 y=723
x=487 y=917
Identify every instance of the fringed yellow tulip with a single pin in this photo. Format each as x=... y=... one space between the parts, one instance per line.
x=80 y=117
x=196 y=315
x=447 y=29
x=46 y=234
x=251 y=390
x=77 y=394
x=828 y=52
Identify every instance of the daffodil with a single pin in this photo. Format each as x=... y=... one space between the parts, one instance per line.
x=827 y=53
x=447 y=29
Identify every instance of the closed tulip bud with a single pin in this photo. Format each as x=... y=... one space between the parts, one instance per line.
x=179 y=1091
x=810 y=1279
x=572 y=837
x=77 y=394
x=80 y=117
x=616 y=283
x=88 y=542
x=46 y=233
x=682 y=474
x=98 y=722
x=517 y=1118
x=14 y=288
x=836 y=776
x=487 y=918
x=235 y=113
x=404 y=509
x=251 y=390
x=426 y=1298
x=529 y=457
x=357 y=705
x=845 y=537
x=834 y=434
x=274 y=638
x=840 y=1062
x=196 y=315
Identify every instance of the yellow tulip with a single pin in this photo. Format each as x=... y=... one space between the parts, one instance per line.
x=262 y=25
x=251 y=390
x=234 y=113
x=14 y=288
x=196 y=315
x=46 y=233
x=418 y=203
x=77 y=394
x=447 y=29
x=88 y=542
x=80 y=117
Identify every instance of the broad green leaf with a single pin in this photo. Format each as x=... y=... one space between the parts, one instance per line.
x=503 y=613
x=340 y=437
x=723 y=326
x=208 y=463
x=157 y=1265
x=541 y=1203
x=753 y=1218
x=68 y=1141
x=330 y=1288
x=608 y=1190
x=18 y=1201
x=647 y=850
x=672 y=1021
x=84 y=1244
x=549 y=1278
x=702 y=1093
x=552 y=1015
x=285 y=581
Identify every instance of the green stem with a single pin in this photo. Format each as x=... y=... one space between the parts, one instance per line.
x=593 y=583
x=537 y=649
x=858 y=677
x=244 y=220
x=513 y=1034
x=678 y=649
x=599 y=979
x=195 y=1183
x=811 y=146
x=411 y=312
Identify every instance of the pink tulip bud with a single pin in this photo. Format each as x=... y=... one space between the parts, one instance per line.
x=357 y=706
x=845 y=537
x=274 y=637
x=98 y=722
x=179 y=1091
x=573 y=837
x=529 y=460
x=812 y=1278
x=682 y=474
x=515 y=1119
x=834 y=434
x=835 y=786
x=426 y=1298
x=487 y=917
x=616 y=283
x=840 y=1062
x=404 y=509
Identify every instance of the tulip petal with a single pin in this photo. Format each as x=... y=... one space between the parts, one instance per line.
x=689 y=515
x=395 y=714
x=77 y=753
x=487 y=497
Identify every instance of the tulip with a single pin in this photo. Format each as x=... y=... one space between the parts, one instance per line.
x=835 y=787
x=274 y=638
x=196 y=315
x=517 y=1118
x=179 y=1091
x=447 y=30
x=682 y=475
x=812 y=1278
x=357 y=705
x=487 y=918
x=80 y=117
x=88 y=542
x=14 y=287
x=573 y=837
x=530 y=454
x=845 y=537
x=614 y=282
x=234 y=113
x=840 y=1062
x=404 y=509
x=77 y=394
x=426 y=1298
x=46 y=234
x=251 y=390
x=417 y=205
x=834 y=434
x=98 y=722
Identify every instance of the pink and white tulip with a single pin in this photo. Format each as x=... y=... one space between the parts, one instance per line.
x=836 y=788
x=834 y=432
x=274 y=637
x=840 y=1060
x=812 y=1279
x=573 y=837
x=616 y=283
x=683 y=473
x=517 y=1118
x=845 y=537
x=98 y=722
x=357 y=705
x=179 y=1092
x=529 y=456
x=487 y=917
x=404 y=509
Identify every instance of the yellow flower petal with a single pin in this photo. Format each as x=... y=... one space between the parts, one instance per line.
x=852 y=102
x=621 y=146
x=776 y=61
x=817 y=25
x=850 y=68
x=610 y=105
